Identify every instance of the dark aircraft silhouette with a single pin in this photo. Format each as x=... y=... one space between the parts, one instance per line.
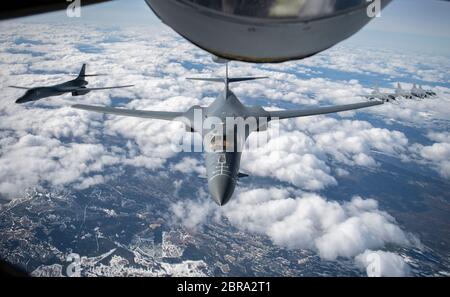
x=76 y=86
x=224 y=145
x=430 y=92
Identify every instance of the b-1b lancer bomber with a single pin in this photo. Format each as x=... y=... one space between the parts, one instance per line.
x=419 y=92
x=75 y=86
x=401 y=93
x=377 y=95
x=223 y=143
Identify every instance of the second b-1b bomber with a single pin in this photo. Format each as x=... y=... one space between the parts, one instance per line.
x=221 y=126
x=414 y=93
x=76 y=87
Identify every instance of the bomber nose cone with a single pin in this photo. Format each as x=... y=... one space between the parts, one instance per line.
x=22 y=100
x=221 y=188
x=25 y=98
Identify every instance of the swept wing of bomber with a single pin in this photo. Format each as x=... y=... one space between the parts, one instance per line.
x=224 y=140
x=76 y=87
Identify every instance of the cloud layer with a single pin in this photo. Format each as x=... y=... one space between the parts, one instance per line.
x=380 y=264
x=309 y=221
x=309 y=153
x=295 y=220
x=301 y=153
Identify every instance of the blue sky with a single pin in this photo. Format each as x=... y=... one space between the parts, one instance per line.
x=418 y=25
x=421 y=25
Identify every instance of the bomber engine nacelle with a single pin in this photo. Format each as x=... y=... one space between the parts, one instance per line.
x=79 y=93
x=263 y=124
x=262 y=121
x=189 y=129
x=193 y=118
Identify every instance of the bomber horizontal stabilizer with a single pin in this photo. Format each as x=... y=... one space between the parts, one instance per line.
x=223 y=80
x=210 y=79
x=103 y=88
x=86 y=75
x=17 y=87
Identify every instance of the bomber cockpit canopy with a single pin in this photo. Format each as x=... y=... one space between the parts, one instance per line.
x=219 y=143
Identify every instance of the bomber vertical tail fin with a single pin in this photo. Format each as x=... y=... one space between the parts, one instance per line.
x=83 y=74
x=82 y=71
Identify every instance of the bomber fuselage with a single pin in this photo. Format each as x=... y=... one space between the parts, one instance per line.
x=224 y=140
x=37 y=93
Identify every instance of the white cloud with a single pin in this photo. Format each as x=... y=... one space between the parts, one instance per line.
x=305 y=148
x=439 y=136
x=290 y=158
x=297 y=220
x=190 y=165
x=36 y=159
x=438 y=155
x=192 y=214
x=381 y=62
x=437 y=152
x=381 y=263
x=309 y=221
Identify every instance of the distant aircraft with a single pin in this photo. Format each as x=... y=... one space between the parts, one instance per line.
x=76 y=86
x=430 y=92
x=400 y=92
x=377 y=95
x=419 y=92
x=416 y=92
x=426 y=93
x=224 y=146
